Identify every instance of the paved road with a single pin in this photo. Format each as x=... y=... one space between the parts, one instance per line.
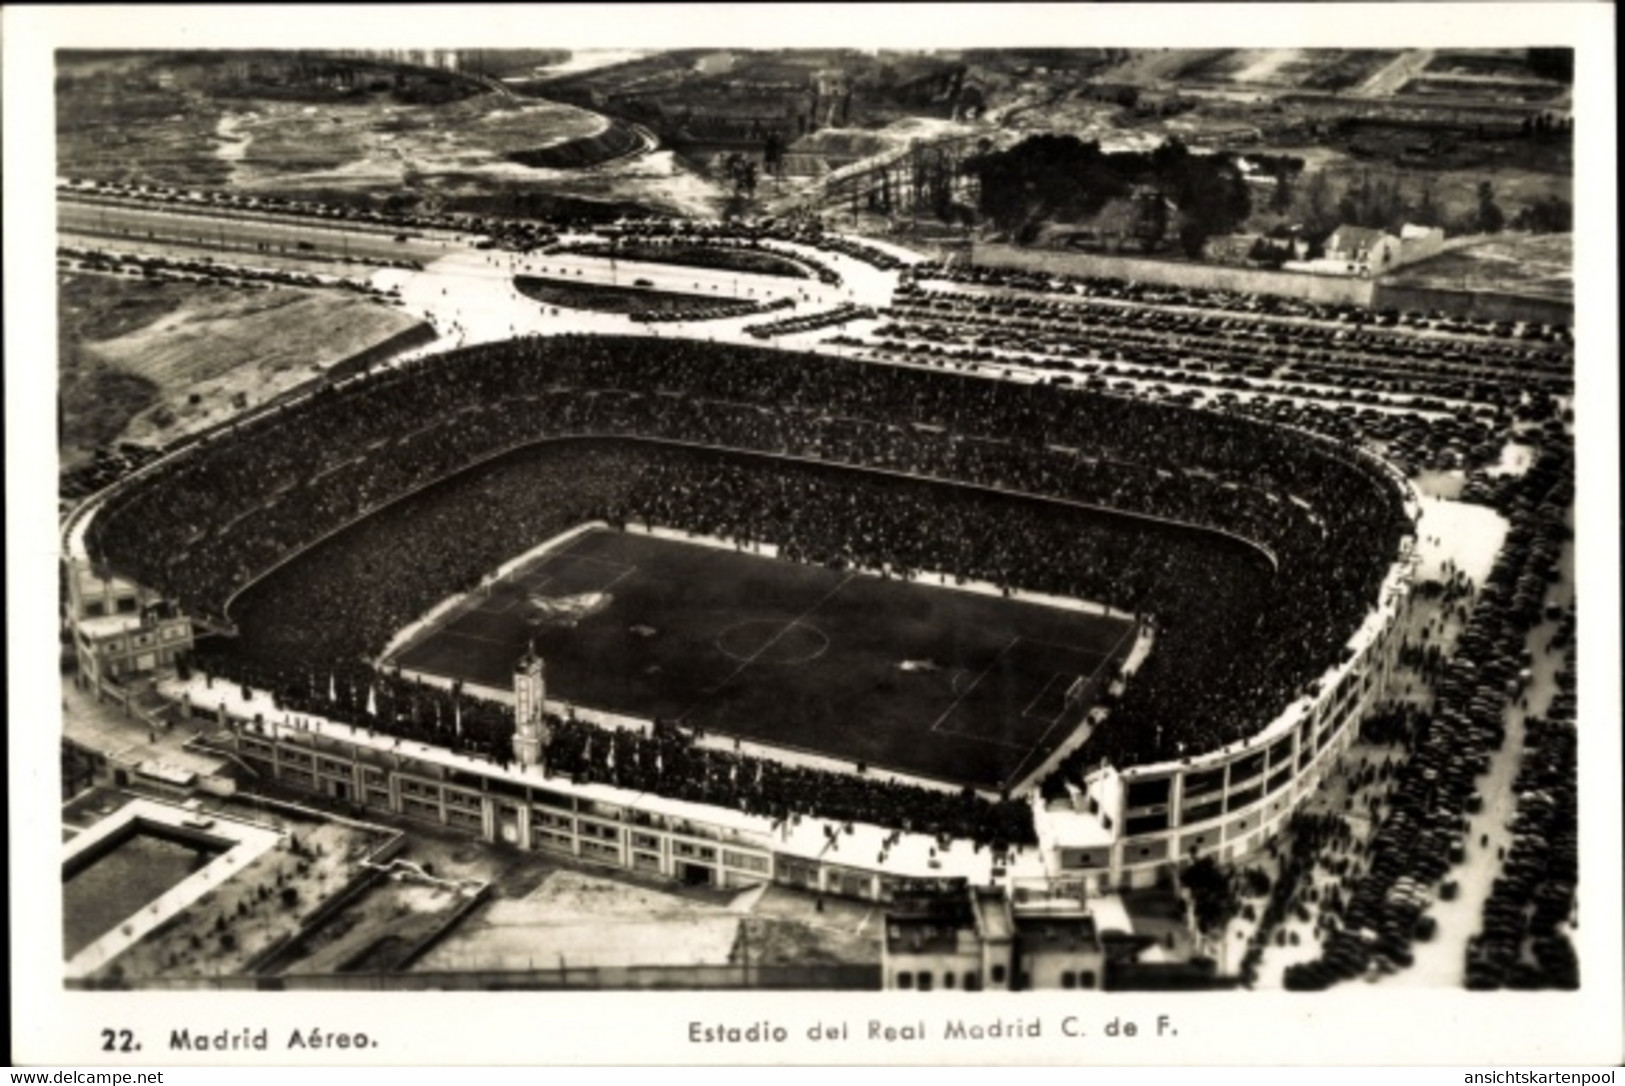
x=1387 y=80
x=220 y=231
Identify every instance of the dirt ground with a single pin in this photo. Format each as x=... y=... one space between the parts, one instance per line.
x=375 y=933
x=1528 y=263
x=274 y=144
x=133 y=353
x=581 y=917
x=144 y=127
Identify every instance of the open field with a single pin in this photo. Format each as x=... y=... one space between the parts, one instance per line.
x=133 y=353
x=276 y=143
x=176 y=119
x=925 y=680
x=573 y=918
x=1539 y=264
x=1312 y=69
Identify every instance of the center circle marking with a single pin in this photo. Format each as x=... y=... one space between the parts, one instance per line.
x=772 y=641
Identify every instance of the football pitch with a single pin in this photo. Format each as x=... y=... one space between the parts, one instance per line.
x=913 y=676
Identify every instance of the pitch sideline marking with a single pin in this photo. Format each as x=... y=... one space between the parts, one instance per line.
x=506 y=606
x=1080 y=650
x=1027 y=713
x=626 y=571
x=1038 y=745
x=972 y=737
x=473 y=637
x=627 y=566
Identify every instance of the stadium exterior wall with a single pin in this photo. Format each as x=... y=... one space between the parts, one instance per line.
x=597 y=824
x=1128 y=826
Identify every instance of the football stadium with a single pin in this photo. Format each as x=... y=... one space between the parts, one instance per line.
x=985 y=518
x=772 y=585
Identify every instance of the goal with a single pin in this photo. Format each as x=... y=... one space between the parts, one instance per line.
x=1076 y=691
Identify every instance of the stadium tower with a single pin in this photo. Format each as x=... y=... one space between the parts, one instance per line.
x=531 y=733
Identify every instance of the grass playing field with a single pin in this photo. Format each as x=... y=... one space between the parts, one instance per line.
x=913 y=677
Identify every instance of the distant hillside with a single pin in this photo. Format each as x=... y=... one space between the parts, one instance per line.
x=615 y=141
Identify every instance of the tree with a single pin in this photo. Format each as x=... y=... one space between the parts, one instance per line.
x=1213 y=894
x=1281 y=195
x=1319 y=206
x=1549 y=215
x=1490 y=218
x=773 y=154
x=1426 y=212
x=1552 y=63
x=1192 y=238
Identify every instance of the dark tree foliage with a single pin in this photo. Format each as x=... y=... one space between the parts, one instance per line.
x=1490 y=218
x=1050 y=177
x=1213 y=893
x=1552 y=63
x=1550 y=215
x=1045 y=176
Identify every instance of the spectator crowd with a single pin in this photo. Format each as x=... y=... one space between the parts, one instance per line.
x=1254 y=549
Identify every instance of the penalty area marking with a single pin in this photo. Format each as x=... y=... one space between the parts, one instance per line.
x=1028 y=714
x=1015 y=774
x=946 y=713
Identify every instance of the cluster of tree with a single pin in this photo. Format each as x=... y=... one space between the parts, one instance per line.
x=740 y=171
x=1552 y=63
x=1544 y=127
x=1378 y=202
x=1062 y=178
x=1383 y=203
x=1549 y=215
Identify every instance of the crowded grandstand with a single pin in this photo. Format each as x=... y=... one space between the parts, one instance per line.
x=1254 y=549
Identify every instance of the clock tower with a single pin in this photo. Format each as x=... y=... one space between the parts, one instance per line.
x=531 y=733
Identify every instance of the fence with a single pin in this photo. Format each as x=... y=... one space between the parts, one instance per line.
x=1323 y=289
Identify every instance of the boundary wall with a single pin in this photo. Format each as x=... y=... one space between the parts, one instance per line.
x=1373 y=294
x=1324 y=289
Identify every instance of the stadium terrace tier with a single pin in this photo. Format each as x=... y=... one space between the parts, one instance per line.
x=1254 y=551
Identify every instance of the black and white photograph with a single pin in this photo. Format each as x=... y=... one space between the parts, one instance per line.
x=1051 y=537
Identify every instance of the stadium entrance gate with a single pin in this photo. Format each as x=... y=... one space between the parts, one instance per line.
x=695 y=874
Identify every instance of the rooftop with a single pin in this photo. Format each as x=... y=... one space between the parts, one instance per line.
x=1041 y=928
